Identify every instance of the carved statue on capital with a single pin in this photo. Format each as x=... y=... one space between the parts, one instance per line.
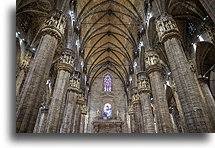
x=25 y=63
x=75 y=83
x=55 y=24
x=143 y=84
x=80 y=99
x=66 y=60
x=135 y=98
x=166 y=27
x=152 y=59
x=130 y=110
x=84 y=109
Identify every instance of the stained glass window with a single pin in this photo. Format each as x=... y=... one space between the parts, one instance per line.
x=191 y=28
x=107 y=112
x=107 y=83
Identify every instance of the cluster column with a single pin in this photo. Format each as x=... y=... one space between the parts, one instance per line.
x=154 y=71
x=73 y=92
x=77 y=116
x=24 y=67
x=144 y=89
x=209 y=101
x=30 y=98
x=189 y=95
x=137 y=111
x=83 y=116
x=132 y=121
x=64 y=69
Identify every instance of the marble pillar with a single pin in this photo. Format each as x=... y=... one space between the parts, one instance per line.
x=209 y=101
x=51 y=33
x=154 y=71
x=83 y=116
x=189 y=95
x=77 y=116
x=64 y=67
x=144 y=89
x=132 y=122
x=24 y=67
x=73 y=92
x=137 y=111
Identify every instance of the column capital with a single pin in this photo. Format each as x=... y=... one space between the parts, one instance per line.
x=66 y=61
x=143 y=84
x=25 y=63
x=74 y=81
x=166 y=27
x=135 y=97
x=153 y=62
x=130 y=110
x=54 y=25
x=80 y=99
x=84 y=109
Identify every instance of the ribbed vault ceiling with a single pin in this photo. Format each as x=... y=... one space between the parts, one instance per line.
x=108 y=35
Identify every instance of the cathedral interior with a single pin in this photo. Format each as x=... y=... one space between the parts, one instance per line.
x=115 y=66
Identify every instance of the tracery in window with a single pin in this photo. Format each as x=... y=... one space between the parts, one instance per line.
x=107 y=83
x=107 y=112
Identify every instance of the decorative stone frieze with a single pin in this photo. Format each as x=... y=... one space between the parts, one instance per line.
x=143 y=84
x=84 y=109
x=80 y=99
x=25 y=63
x=66 y=61
x=130 y=110
x=166 y=27
x=74 y=81
x=54 y=25
x=135 y=96
x=152 y=61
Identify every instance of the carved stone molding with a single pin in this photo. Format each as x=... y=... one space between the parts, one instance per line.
x=55 y=25
x=74 y=82
x=166 y=27
x=152 y=61
x=66 y=61
x=80 y=99
x=84 y=109
x=130 y=110
x=143 y=84
x=25 y=63
x=135 y=97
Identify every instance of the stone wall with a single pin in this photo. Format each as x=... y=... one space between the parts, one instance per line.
x=98 y=98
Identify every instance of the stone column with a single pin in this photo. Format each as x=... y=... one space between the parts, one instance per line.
x=70 y=106
x=41 y=120
x=132 y=122
x=209 y=100
x=189 y=94
x=51 y=34
x=137 y=111
x=179 y=108
x=24 y=67
x=154 y=70
x=83 y=114
x=77 y=117
x=144 y=89
x=64 y=68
